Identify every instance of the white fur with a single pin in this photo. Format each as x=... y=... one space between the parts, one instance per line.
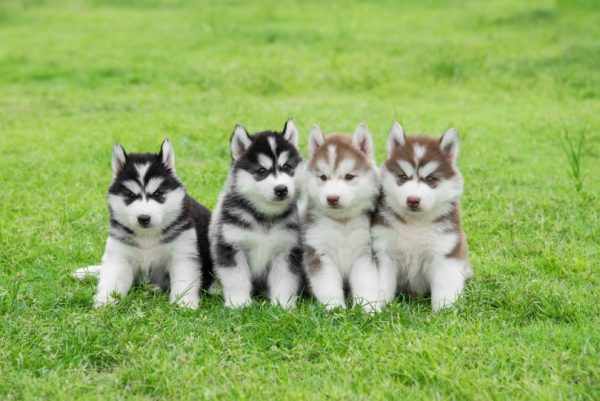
x=168 y=155
x=240 y=141
x=450 y=144
x=341 y=236
x=396 y=138
x=290 y=132
x=258 y=249
x=122 y=264
x=118 y=159
x=412 y=254
x=315 y=139
x=262 y=193
x=362 y=141
x=160 y=214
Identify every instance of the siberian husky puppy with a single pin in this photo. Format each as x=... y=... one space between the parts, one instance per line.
x=157 y=231
x=255 y=231
x=417 y=236
x=342 y=187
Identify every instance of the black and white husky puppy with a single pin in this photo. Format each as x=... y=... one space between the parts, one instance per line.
x=255 y=230
x=157 y=231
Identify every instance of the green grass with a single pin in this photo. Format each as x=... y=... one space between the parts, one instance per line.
x=75 y=77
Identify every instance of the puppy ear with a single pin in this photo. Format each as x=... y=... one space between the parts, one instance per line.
x=315 y=139
x=119 y=157
x=396 y=138
x=167 y=154
x=363 y=141
x=290 y=132
x=450 y=144
x=240 y=141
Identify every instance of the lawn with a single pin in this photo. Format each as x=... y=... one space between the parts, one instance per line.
x=520 y=81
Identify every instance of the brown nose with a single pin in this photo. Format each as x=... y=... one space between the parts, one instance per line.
x=413 y=201
x=333 y=200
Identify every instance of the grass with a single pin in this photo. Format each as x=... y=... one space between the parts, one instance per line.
x=75 y=77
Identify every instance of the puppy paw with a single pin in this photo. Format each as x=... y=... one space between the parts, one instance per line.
x=237 y=302
x=187 y=302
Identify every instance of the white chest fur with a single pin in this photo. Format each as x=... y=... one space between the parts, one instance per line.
x=261 y=245
x=344 y=242
x=152 y=254
x=414 y=246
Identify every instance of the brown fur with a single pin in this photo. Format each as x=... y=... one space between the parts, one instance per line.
x=312 y=260
x=432 y=152
x=345 y=149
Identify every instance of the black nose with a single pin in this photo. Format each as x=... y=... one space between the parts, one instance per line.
x=144 y=220
x=281 y=191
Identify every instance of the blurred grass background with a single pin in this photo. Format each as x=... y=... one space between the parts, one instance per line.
x=520 y=81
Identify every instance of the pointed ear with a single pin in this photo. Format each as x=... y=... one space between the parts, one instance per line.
x=119 y=157
x=450 y=144
x=363 y=141
x=315 y=139
x=240 y=141
x=167 y=154
x=396 y=138
x=290 y=132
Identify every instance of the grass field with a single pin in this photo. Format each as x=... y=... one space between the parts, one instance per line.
x=521 y=82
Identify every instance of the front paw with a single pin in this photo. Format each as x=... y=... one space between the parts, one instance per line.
x=237 y=302
x=102 y=300
x=289 y=304
x=335 y=304
x=187 y=302
x=371 y=308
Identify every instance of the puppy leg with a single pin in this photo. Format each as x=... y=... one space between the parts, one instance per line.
x=364 y=284
x=116 y=276
x=236 y=281
x=447 y=280
x=85 y=272
x=284 y=280
x=388 y=278
x=327 y=283
x=185 y=282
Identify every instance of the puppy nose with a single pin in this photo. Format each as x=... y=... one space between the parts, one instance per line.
x=413 y=201
x=333 y=200
x=281 y=191
x=144 y=220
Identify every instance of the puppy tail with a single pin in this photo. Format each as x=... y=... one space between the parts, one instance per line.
x=85 y=272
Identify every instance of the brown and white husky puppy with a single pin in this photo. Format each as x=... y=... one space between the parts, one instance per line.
x=342 y=187
x=418 y=241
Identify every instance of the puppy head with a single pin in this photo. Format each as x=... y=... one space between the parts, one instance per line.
x=420 y=179
x=341 y=177
x=267 y=167
x=145 y=195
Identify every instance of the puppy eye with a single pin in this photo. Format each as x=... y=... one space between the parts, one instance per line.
x=430 y=178
x=130 y=194
x=158 y=194
x=349 y=177
x=403 y=177
x=261 y=170
x=323 y=177
x=286 y=167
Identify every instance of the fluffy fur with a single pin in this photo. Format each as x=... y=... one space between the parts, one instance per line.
x=255 y=232
x=157 y=231
x=417 y=236
x=342 y=187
